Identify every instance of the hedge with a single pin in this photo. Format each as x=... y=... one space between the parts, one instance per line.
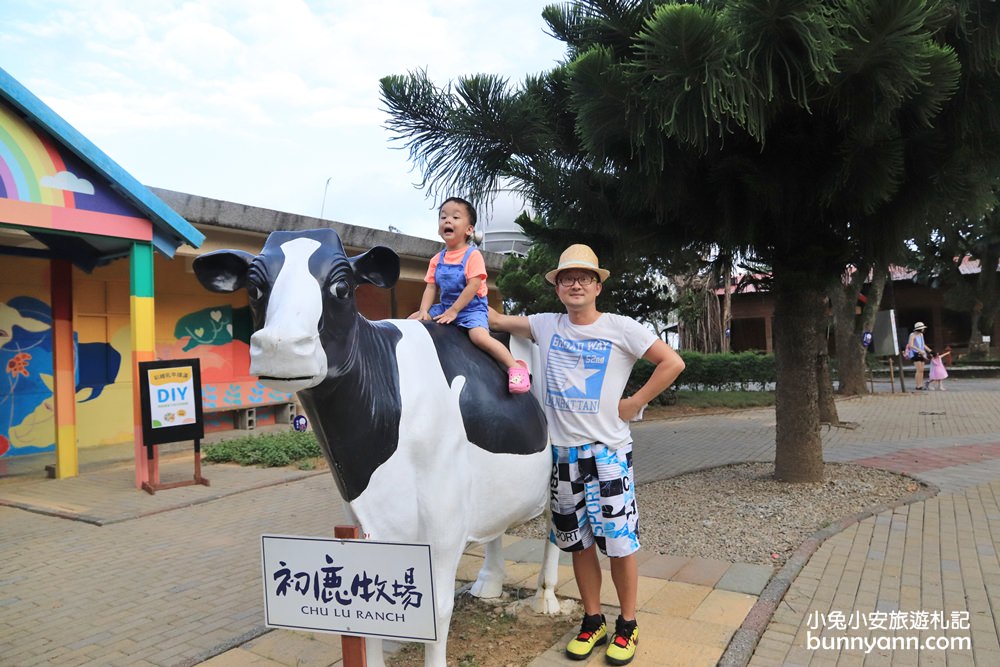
x=722 y=371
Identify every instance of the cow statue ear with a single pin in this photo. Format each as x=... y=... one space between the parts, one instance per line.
x=222 y=270
x=379 y=266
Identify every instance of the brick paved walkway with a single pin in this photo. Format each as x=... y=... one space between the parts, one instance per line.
x=919 y=564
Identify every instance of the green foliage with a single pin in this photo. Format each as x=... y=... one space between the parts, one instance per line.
x=634 y=288
x=716 y=371
x=939 y=261
x=812 y=133
x=523 y=285
x=271 y=450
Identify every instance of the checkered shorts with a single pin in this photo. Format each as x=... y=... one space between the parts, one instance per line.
x=593 y=499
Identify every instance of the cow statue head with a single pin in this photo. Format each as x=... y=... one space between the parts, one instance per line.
x=301 y=288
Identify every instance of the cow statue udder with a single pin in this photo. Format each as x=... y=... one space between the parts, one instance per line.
x=424 y=441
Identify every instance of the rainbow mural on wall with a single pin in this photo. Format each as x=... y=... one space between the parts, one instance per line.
x=31 y=169
x=44 y=185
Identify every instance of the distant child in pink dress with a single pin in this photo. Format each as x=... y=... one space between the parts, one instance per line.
x=938 y=371
x=460 y=272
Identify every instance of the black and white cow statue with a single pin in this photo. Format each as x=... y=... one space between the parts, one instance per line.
x=423 y=439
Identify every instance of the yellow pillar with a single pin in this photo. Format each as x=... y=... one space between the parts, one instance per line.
x=143 y=348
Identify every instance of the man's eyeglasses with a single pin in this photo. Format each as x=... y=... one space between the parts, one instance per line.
x=585 y=280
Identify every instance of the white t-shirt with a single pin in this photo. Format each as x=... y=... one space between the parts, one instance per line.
x=585 y=369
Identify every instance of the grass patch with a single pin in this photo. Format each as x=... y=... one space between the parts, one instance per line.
x=725 y=399
x=271 y=450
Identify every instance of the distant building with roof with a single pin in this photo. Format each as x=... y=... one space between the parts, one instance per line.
x=912 y=301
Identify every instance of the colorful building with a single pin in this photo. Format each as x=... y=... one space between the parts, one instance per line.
x=95 y=276
x=69 y=346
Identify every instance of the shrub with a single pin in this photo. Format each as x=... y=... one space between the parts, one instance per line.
x=717 y=371
x=271 y=450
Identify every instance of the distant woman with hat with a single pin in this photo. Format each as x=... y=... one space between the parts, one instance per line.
x=919 y=352
x=586 y=359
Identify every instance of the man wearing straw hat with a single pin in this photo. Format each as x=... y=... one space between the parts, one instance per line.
x=586 y=359
x=917 y=350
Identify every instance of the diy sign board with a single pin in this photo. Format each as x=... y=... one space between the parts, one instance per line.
x=170 y=393
x=351 y=587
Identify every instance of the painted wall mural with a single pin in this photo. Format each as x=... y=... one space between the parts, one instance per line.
x=220 y=337
x=217 y=325
x=26 y=418
x=34 y=170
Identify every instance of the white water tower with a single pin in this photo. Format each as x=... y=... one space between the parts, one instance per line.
x=500 y=233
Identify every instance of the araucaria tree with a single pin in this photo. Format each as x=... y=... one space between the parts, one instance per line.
x=793 y=131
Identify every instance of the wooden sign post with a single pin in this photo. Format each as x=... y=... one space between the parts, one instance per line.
x=353 y=648
x=170 y=393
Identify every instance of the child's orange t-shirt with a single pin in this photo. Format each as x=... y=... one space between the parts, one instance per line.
x=476 y=266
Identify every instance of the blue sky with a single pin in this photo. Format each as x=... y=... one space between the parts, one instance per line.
x=262 y=101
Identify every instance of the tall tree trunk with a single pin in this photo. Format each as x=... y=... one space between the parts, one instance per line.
x=850 y=351
x=987 y=302
x=977 y=348
x=848 y=327
x=798 y=455
x=699 y=313
x=727 y=303
x=826 y=406
x=880 y=277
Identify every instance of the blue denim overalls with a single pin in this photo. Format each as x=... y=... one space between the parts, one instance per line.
x=450 y=279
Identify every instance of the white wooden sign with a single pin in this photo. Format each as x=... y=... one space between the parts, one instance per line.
x=351 y=587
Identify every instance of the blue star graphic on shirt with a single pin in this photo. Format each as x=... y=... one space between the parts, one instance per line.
x=577 y=376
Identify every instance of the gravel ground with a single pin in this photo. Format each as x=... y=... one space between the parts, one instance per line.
x=740 y=514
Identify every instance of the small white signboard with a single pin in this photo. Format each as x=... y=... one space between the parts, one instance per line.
x=351 y=587
x=171 y=396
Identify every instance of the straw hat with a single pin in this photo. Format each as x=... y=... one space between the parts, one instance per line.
x=919 y=326
x=577 y=256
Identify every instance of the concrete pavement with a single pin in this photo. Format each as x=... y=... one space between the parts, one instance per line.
x=94 y=572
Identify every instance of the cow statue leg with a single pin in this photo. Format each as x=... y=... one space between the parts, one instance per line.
x=489 y=582
x=373 y=653
x=445 y=564
x=545 y=601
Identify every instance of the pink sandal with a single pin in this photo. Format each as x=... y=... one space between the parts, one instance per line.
x=518 y=379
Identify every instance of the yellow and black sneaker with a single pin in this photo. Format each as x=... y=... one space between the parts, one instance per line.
x=593 y=632
x=621 y=650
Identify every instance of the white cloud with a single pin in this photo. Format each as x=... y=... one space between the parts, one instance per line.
x=65 y=180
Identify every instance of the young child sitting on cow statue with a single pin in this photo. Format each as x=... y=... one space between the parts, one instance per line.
x=460 y=271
